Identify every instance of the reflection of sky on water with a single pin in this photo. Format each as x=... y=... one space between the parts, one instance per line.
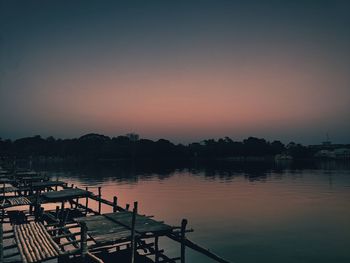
x=243 y=213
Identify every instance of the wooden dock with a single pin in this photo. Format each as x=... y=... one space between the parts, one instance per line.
x=74 y=232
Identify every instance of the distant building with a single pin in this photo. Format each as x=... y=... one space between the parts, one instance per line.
x=328 y=150
x=283 y=157
x=325 y=154
x=342 y=153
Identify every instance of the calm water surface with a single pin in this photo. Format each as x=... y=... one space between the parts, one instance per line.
x=244 y=215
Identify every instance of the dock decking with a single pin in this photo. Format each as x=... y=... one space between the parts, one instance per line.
x=114 y=227
x=64 y=195
x=40 y=235
x=15 y=201
x=34 y=243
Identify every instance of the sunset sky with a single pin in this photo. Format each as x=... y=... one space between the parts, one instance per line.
x=181 y=70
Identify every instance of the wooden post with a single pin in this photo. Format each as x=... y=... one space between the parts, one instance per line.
x=56 y=185
x=41 y=213
x=133 y=222
x=183 y=238
x=86 y=201
x=1 y=244
x=115 y=204
x=127 y=207
x=62 y=212
x=37 y=205
x=57 y=212
x=99 y=202
x=76 y=200
x=83 y=241
x=156 y=249
x=57 y=217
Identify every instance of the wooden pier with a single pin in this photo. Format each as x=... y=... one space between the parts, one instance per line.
x=73 y=231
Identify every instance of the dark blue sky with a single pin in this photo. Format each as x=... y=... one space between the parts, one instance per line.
x=184 y=70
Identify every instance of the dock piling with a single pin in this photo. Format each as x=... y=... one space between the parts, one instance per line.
x=86 y=201
x=183 y=238
x=133 y=221
x=99 y=202
x=156 y=249
x=83 y=241
x=1 y=244
x=115 y=204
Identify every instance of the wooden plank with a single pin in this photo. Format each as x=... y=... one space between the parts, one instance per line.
x=103 y=230
x=26 y=173
x=114 y=227
x=143 y=223
x=15 y=201
x=64 y=195
x=34 y=243
x=6 y=180
x=47 y=184
x=8 y=189
x=33 y=178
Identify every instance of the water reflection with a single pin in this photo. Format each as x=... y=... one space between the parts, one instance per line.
x=132 y=172
x=247 y=212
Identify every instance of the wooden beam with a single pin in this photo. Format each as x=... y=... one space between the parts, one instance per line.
x=199 y=249
x=94 y=258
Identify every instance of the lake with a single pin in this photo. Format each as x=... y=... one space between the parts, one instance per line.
x=245 y=213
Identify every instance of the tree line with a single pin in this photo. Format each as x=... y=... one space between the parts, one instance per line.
x=130 y=146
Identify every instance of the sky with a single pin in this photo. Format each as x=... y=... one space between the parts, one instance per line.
x=181 y=70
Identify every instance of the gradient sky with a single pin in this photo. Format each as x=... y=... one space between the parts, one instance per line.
x=181 y=70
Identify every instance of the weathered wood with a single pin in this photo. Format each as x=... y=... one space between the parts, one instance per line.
x=99 y=202
x=10 y=255
x=86 y=201
x=94 y=258
x=62 y=211
x=115 y=204
x=133 y=221
x=83 y=241
x=103 y=230
x=1 y=243
x=85 y=208
x=71 y=242
x=34 y=243
x=64 y=195
x=143 y=224
x=35 y=186
x=15 y=201
x=46 y=244
x=156 y=249
x=183 y=238
x=8 y=237
x=10 y=246
x=20 y=246
x=63 y=228
x=65 y=235
x=8 y=189
x=198 y=248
